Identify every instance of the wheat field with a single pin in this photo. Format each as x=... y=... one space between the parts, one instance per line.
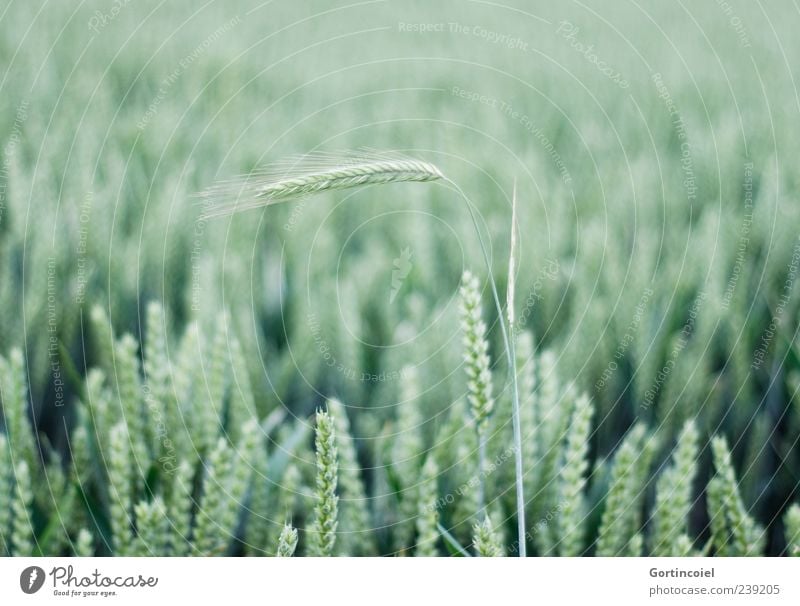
x=255 y=278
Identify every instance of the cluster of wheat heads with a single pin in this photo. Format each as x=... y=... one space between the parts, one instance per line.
x=318 y=172
x=173 y=458
x=169 y=457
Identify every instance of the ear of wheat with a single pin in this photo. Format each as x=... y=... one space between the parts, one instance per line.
x=312 y=174
x=287 y=542
x=485 y=540
x=326 y=511
x=319 y=172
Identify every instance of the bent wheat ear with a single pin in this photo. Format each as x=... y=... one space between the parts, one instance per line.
x=315 y=173
x=312 y=174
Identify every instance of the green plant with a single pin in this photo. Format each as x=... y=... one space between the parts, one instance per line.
x=572 y=479
x=406 y=452
x=314 y=173
x=326 y=511
x=485 y=540
x=792 y=522
x=733 y=530
x=287 y=542
x=619 y=529
x=122 y=308
x=674 y=496
x=479 y=376
x=355 y=525
x=427 y=511
x=197 y=505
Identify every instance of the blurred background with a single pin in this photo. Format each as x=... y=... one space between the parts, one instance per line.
x=653 y=147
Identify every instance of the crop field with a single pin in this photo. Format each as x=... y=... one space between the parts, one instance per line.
x=454 y=278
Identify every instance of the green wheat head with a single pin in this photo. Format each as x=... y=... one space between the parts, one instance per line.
x=326 y=511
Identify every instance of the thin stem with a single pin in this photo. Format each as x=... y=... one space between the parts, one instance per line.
x=518 y=446
x=509 y=347
x=482 y=474
x=453 y=541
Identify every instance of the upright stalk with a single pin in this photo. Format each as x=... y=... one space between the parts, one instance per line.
x=482 y=475
x=510 y=355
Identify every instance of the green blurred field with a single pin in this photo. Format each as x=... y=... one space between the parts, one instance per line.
x=654 y=148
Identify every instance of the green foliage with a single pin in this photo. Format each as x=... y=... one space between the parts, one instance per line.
x=172 y=500
x=159 y=369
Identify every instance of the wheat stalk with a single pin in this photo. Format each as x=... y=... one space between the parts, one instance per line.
x=674 y=495
x=511 y=345
x=316 y=173
x=479 y=374
x=737 y=533
x=313 y=174
x=326 y=511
